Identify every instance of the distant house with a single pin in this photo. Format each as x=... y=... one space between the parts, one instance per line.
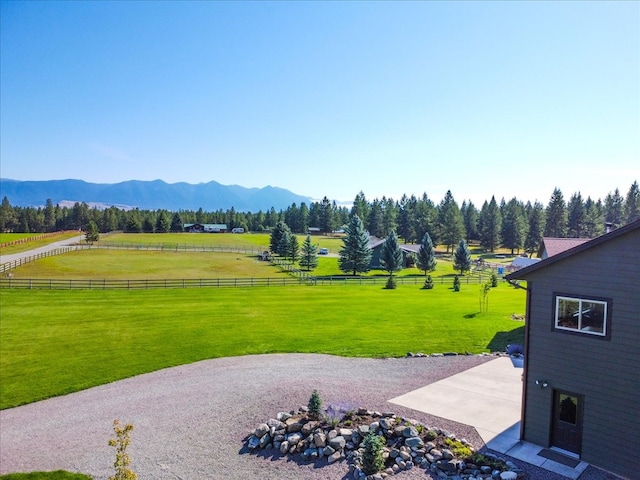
x=375 y=244
x=205 y=227
x=552 y=246
x=314 y=230
x=582 y=350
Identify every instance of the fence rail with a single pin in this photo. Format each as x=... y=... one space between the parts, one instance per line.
x=181 y=247
x=61 y=284
x=114 y=284
x=5 y=267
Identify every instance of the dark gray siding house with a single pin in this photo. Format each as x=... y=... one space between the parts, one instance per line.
x=581 y=390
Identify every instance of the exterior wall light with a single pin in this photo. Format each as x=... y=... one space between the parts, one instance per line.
x=542 y=383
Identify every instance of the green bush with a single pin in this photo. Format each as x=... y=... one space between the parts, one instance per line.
x=315 y=405
x=456 y=283
x=428 y=283
x=494 y=279
x=391 y=283
x=430 y=435
x=372 y=461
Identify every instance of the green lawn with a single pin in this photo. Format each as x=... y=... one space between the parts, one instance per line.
x=57 y=342
x=57 y=475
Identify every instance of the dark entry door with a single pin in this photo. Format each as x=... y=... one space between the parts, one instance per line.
x=566 y=431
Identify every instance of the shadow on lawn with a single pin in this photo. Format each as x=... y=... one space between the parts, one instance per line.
x=500 y=340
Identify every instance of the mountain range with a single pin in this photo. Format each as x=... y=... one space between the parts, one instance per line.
x=148 y=195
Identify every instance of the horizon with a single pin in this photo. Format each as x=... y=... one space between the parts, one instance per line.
x=326 y=99
x=346 y=203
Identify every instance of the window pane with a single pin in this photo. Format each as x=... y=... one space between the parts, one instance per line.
x=568 y=409
x=593 y=316
x=568 y=313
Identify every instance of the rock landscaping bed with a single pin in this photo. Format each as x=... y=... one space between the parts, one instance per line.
x=347 y=434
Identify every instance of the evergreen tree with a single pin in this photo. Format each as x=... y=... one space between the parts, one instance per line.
x=276 y=236
x=7 y=216
x=462 y=258
x=92 y=234
x=425 y=215
x=309 y=254
x=284 y=244
x=614 y=209
x=426 y=260
x=536 y=228
x=293 y=248
x=490 y=225
x=513 y=226
x=355 y=255
x=389 y=216
x=556 y=216
x=406 y=218
x=632 y=204
x=391 y=258
x=163 y=223
x=49 y=216
x=470 y=218
x=594 y=218
x=361 y=207
x=576 y=216
x=375 y=225
x=176 y=222
x=450 y=224
x=147 y=223
x=327 y=216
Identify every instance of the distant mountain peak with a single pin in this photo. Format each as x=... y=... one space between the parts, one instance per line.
x=150 y=195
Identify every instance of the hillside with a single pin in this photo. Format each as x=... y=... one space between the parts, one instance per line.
x=149 y=195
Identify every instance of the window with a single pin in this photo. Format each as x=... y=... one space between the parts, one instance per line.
x=581 y=315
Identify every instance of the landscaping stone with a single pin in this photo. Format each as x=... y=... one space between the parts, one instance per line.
x=405 y=447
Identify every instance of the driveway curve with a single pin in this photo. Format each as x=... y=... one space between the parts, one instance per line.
x=190 y=421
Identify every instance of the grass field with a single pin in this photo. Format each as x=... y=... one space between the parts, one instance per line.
x=55 y=342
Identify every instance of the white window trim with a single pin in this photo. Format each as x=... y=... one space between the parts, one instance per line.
x=580 y=330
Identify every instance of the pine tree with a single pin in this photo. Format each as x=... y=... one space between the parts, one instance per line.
x=576 y=216
x=614 y=209
x=632 y=204
x=556 y=216
x=513 y=226
x=176 y=222
x=450 y=223
x=491 y=225
x=462 y=258
x=276 y=236
x=536 y=227
x=163 y=224
x=355 y=255
x=309 y=254
x=92 y=234
x=391 y=258
x=426 y=259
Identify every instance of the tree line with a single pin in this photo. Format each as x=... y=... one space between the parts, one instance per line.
x=510 y=224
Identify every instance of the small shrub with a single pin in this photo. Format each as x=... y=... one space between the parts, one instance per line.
x=372 y=461
x=410 y=260
x=456 y=283
x=494 y=279
x=430 y=435
x=392 y=284
x=479 y=459
x=428 y=283
x=121 y=442
x=458 y=448
x=315 y=405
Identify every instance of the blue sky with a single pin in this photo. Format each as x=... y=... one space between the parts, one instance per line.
x=326 y=98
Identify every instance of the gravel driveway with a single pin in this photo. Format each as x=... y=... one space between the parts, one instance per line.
x=190 y=420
